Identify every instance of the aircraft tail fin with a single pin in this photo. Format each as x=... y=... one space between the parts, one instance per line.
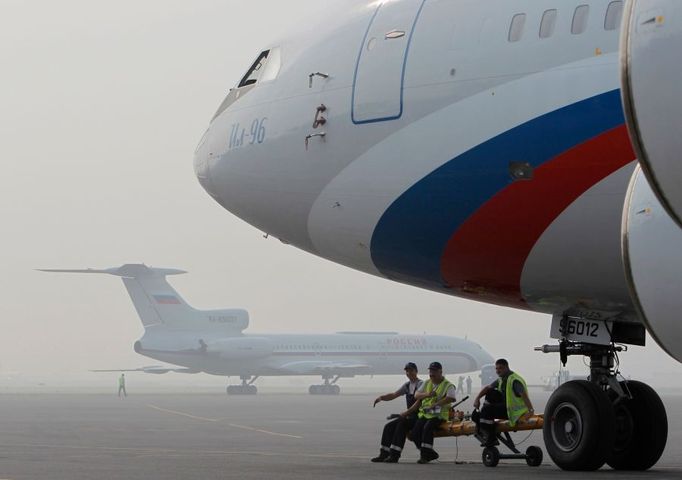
x=158 y=304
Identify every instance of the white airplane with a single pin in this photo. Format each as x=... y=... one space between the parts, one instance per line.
x=212 y=341
x=516 y=152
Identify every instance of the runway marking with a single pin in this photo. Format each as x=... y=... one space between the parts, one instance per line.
x=216 y=420
x=182 y=414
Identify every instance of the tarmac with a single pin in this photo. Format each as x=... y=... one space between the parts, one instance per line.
x=271 y=435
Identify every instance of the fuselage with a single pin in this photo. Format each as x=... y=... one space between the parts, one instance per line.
x=477 y=149
x=344 y=354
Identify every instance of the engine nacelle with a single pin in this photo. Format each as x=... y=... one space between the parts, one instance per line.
x=652 y=243
x=241 y=348
x=651 y=77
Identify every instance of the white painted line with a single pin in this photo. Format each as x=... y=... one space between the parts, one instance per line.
x=182 y=414
x=234 y=425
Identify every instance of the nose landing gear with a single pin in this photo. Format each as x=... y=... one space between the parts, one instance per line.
x=590 y=423
x=641 y=428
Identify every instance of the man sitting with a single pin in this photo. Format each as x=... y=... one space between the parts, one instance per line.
x=395 y=431
x=436 y=395
x=506 y=398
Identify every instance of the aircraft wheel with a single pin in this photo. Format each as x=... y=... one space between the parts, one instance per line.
x=534 y=456
x=490 y=456
x=251 y=389
x=641 y=429
x=579 y=426
x=313 y=390
x=229 y=390
x=336 y=390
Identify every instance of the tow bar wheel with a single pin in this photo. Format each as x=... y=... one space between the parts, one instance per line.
x=490 y=456
x=534 y=456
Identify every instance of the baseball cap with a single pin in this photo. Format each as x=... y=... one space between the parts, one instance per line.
x=435 y=366
x=411 y=365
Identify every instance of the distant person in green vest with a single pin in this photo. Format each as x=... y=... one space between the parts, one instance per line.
x=436 y=395
x=505 y=398
x=122 y=386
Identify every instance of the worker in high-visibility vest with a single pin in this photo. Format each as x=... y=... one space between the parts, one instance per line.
x=436 y=395
x=122 y=386
x=506 y=398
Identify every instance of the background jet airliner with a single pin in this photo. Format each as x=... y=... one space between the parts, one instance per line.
x=212 y=341
x=486 y=150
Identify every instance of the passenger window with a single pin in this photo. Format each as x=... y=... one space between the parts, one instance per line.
x=614 y=14
x=548 y=23
x=580 y=17
x=516 y=27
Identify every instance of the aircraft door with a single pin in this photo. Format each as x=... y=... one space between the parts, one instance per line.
x=380 y=68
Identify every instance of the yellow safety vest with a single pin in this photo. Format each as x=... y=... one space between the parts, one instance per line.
x=440 y=411
x=516 y=407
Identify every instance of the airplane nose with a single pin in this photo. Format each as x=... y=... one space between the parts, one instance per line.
x=201 y=166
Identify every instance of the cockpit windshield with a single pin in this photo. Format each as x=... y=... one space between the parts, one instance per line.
x=266 y=67
x=255 y=71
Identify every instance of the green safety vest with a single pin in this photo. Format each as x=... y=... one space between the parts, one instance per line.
x=441 y=411
x=516 y=407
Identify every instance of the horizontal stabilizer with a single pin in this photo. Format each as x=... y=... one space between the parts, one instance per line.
x=130 y=270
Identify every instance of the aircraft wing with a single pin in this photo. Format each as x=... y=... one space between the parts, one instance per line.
x=155 y=369
x=319 y=367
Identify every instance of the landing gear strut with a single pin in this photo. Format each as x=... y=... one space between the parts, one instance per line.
x=327 y=388
x=246 y=388
x=590 y=423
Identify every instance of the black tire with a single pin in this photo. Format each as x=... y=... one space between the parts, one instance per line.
x=252 y=389
x=313 y=390
x=228 y=390
x=336 y=390
x=641 y=429
x=490 y=456
x=579 y=426
x=534 y=456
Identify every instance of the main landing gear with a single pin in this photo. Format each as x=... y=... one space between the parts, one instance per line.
x=327 y=388
x=246 y=388
x=590 y=423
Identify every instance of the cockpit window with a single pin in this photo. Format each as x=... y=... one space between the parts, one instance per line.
x=266 y=67
x=255 y=71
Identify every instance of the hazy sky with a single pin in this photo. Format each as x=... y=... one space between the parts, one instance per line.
x=101 y=107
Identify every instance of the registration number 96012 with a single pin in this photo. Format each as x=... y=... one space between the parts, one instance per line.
x=582 y=330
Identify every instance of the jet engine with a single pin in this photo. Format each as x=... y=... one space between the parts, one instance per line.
x=651 y=76
x=241 y=348
x=651 y=252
